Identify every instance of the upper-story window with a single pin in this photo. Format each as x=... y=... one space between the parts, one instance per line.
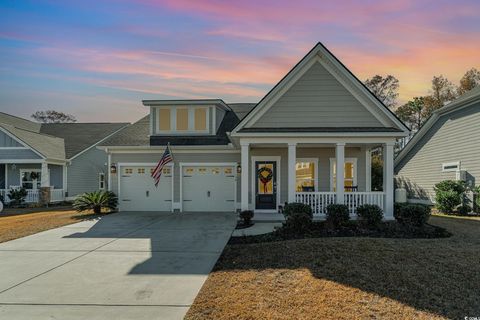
x=182 y=119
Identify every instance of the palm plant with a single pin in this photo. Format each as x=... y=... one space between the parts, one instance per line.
x=96 y=201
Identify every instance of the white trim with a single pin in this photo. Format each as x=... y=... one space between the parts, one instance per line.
x=307 y=61
x=291 y=171
x=244 y=194
x=368 y=170
x=190 y=121
x=278 y=177
x=448 y=164
x=22 y=161
x=143 y=164
x=14 y=148
x=65 y=179
x=320 y=140
x=6 y=176
x=209 y=164
x=320 y=134
x=162 y=150
x=109 y=164
x=315 y=161
x=355 y=170
x=23 y=143
x=97 y=143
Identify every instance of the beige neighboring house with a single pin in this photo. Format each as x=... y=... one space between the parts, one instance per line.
x=447 y=147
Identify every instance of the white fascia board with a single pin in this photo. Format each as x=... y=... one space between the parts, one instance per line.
x=311 y=140
x=320 y=134
x=217 y=102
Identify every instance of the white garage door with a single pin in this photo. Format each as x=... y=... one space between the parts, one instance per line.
x=138 y=191
x=208 y=188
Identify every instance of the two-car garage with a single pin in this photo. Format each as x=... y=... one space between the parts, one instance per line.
x=193 y=187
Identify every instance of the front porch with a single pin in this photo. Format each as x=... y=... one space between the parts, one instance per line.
x=32 y=175
x=301 y=171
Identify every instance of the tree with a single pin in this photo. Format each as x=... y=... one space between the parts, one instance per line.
x=470 y=80
x=385 y=88
x=442 y=91
x=413 y=112
x=52 y=116
x=377 y=172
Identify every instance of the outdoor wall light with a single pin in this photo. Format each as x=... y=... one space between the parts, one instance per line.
x=239 y=169
x=113 y=169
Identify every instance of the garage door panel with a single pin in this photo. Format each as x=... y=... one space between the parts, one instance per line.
x=138 y=191
x=208 y=188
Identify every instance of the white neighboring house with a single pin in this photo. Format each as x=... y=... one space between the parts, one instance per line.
x=59 y=156
x=318 y=123
x=446 y=148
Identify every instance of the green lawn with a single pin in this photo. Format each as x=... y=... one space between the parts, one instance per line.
x=348 y=278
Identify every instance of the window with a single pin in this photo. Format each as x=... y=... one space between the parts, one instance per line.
x=128 y=171
x=141 y=170
x=350 y=174
x=164 y=119
x=30 y=179
x=200 y=119
x=305 y=172
x=202 y=170
x=101 y=181
x=166 y=171
x=451 y=166
x=216 y=170
x=182 y=119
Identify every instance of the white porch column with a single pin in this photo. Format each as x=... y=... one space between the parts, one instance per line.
x=6 y=176
x=388 y=155
x=109 y=175
x=45 y=176
x=245 y=148
x=368 y=170
x=292 y=160
x=64 y=181
x=340 y=174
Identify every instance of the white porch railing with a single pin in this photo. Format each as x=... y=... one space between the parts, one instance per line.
x=33 y=195
x=356 y=199
x=319 y=201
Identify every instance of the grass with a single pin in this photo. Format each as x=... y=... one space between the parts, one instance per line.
x=17 y=223
x=345 y=278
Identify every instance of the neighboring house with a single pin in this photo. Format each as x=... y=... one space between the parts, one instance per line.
x=317 y=123
x=60 y=156
x=447 y=147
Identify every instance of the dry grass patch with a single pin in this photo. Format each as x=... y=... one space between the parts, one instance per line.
x=17 y=223
x=345 y=278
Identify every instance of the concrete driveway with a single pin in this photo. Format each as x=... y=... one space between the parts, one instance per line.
x=134 y=265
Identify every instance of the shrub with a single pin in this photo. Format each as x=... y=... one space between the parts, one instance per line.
x=463 y=210
x=370 y=215
x=17 y=196
x=296 y=207
x=476 y=192
x=297 y=223
x=246 y=216
x=448 y=195
x=337 y=214
x=412 y=214
x=96 y=201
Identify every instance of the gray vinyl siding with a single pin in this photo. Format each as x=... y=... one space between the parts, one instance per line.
x=323 y=155
x=18 y=154
x=56 y=176
x=317 y=99
x=83 y=172
x=7 y=141
x=13 y=172
x=178 y=158
x=454 y=137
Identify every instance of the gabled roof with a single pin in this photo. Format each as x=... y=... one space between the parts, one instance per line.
x=465 y=100
x=241 y=109
x=19 y=122
x=321 y=54
x=80 y=136
x=45 y=145
x=218 y=102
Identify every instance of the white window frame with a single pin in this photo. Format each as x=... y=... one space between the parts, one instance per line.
x=34 y=185
x=355 y=171
x=101 y=180
x=448 y=164
x=191 y=120
x=315 y=172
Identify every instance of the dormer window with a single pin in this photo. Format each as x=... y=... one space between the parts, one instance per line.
x=182 y=120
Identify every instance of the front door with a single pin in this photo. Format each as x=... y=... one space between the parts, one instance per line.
x=266 y=185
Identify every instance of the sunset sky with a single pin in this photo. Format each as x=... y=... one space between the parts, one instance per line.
x=98 y=59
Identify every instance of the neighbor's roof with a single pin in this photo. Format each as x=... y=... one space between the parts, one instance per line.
x=467 y=99
x=80 y=136
x=242 y=109
x=48 y=146
x=19 y=122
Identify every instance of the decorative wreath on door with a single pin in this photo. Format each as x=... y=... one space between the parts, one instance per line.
x=265 y=175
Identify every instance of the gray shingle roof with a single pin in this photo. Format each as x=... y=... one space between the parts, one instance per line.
x=136 y=134
x=242 y=109
x=19 y=122
x=48 y=146
x=80 y=136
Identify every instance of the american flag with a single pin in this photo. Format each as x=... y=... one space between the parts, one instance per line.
x=157 y=172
